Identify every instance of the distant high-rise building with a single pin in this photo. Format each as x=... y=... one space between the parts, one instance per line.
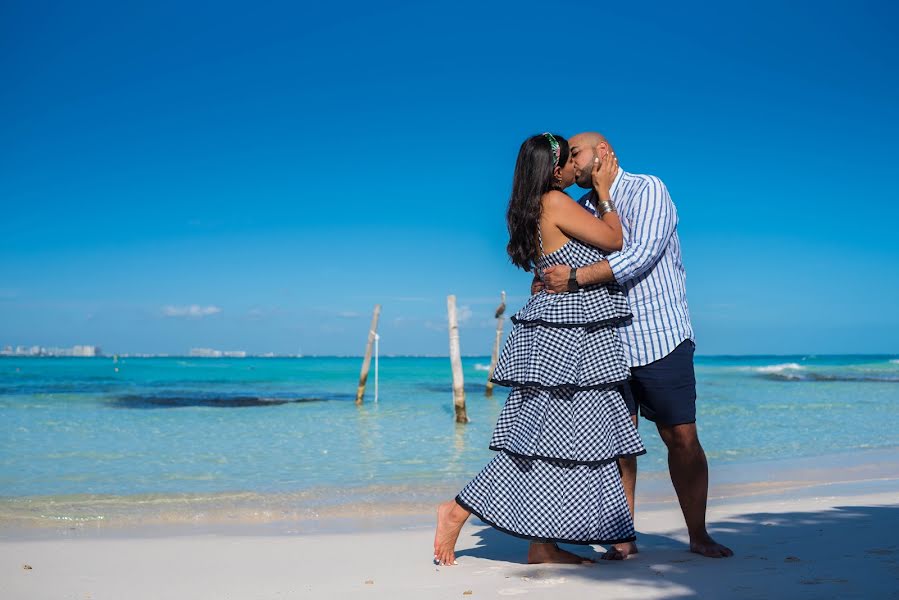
x=205 y=353
x=86 y=351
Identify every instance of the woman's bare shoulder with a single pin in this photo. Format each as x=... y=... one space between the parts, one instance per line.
x=554 y=198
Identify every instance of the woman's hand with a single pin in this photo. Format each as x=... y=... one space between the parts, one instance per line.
x=604 y=173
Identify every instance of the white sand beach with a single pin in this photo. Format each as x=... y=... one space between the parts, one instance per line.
x=825 y=542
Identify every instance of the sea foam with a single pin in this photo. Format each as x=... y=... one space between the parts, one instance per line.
x=779 y=368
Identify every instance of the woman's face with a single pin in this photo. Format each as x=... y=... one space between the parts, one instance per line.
x=566 y=174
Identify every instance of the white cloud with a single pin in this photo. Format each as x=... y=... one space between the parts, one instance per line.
x=463 y=314
x=194 y=311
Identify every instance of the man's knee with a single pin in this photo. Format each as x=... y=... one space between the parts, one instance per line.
x=680 y=438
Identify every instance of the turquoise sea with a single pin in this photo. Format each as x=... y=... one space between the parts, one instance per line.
x=177 y=427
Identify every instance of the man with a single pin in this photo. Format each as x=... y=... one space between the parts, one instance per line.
x=659 y=341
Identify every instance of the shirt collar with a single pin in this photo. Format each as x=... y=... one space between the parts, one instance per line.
x=615 y=183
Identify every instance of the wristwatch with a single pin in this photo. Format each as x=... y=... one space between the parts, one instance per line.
x=572 y=280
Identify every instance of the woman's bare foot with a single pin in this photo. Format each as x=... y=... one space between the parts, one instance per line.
x=550 y=553
x=620 y=551
x=706 y=546
x=450 y=519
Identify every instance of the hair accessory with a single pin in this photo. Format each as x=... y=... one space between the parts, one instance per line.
x=554 y=145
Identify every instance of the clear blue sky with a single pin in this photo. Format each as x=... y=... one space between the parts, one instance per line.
x=282 y=168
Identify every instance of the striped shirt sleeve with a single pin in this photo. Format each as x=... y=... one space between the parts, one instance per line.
x=651 y=229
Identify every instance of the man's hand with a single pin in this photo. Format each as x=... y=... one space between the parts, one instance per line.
x=556 y=278
x=536 y=286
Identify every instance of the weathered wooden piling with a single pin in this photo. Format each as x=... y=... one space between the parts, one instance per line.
x=366 y=362
x=500 y=310
x=456 y=362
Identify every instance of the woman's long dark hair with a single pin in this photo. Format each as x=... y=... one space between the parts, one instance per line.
x=533 y=177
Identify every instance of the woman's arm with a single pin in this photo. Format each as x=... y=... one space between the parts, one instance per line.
x=605 y=232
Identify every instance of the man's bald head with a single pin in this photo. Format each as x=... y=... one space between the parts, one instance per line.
x=588 y=138
x=583 y=151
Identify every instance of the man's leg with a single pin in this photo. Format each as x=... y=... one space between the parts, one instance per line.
x=667 y=394
x=690 y=475
x=627 y=467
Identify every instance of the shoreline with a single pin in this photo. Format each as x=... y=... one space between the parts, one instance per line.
x=377 y=508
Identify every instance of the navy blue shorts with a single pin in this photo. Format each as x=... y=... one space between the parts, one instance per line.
x=664 y=390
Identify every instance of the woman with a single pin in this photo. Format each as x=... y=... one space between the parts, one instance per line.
x=555 y=477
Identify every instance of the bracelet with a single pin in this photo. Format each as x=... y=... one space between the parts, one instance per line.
x=572 y=280
x=604 y=206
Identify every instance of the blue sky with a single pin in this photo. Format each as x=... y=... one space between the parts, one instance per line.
x=257 y=176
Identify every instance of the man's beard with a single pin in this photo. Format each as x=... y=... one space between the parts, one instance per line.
x=585 y=180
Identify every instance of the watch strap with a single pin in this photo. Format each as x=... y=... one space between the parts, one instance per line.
x=572 y=280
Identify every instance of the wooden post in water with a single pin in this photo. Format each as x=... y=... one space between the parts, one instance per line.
x=456 y=362
x=499 y=336
x=366 y=362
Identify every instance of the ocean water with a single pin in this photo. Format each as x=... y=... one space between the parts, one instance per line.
x=177 y=427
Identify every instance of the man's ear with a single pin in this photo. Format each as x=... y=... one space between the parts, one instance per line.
x=603 y=149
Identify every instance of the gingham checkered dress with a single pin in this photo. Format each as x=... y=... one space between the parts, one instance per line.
x=555 y=477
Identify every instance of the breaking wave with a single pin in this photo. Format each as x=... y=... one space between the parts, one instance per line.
x=796 y=372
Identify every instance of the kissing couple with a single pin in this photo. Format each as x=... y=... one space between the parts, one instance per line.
x=605 y=337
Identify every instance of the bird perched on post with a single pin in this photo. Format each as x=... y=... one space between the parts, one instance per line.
x=502 y=307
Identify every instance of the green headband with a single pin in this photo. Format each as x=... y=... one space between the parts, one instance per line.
x=554 y=145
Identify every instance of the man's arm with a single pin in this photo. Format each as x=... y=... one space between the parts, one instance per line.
x=653 y=223
x=556 y=277
x=651 y=229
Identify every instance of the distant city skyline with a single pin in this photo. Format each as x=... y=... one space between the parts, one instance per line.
x=258 y=177
x=96 y=352
x=79 y=350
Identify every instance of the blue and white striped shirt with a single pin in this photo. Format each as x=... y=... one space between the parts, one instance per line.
x=649 y=268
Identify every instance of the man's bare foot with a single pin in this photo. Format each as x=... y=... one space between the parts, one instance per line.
x=539 y=553
x=450 y=519
x=620 y=551
x=706 y=546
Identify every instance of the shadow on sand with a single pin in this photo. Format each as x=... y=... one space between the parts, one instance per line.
x=846 y=552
